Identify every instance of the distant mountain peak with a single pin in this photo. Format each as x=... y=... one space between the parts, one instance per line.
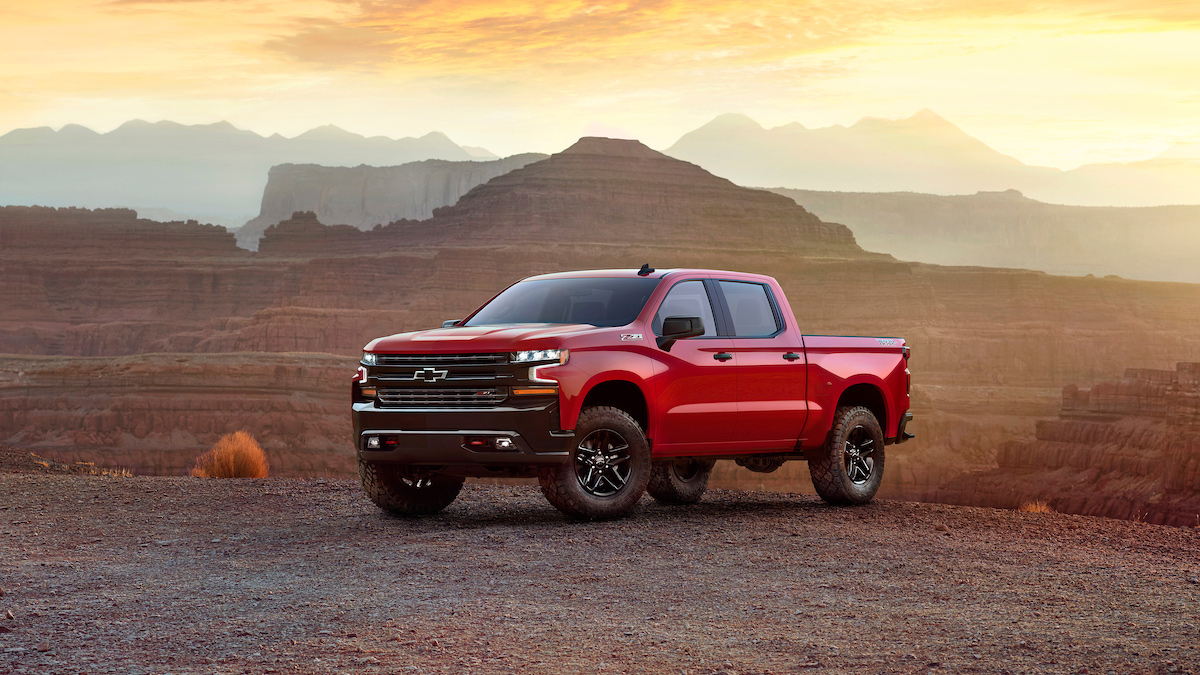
x=927 y=115
x=135 y=124
x=923 y=119
x=733 y=121
x=77 y=130
x=328 y=132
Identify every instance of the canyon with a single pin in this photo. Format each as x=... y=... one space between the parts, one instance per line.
x=126 y=347
x=1007 y=229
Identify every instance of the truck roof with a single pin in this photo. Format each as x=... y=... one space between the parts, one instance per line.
x=656 y=274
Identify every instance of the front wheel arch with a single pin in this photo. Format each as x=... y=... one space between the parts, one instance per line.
x=623 y=395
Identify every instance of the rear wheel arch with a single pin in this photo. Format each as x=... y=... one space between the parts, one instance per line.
x=868 y=395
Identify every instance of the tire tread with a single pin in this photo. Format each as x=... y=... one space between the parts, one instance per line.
x=395 y=497
x=828 y=476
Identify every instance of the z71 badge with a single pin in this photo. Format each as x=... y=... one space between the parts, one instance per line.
x=626 y=337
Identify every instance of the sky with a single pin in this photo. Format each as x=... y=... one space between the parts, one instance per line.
x=1050 y=83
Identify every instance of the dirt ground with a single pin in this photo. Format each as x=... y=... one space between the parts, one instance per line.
x=113 y=574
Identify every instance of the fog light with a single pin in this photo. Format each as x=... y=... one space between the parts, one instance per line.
x=505 y=443
x=372 y=442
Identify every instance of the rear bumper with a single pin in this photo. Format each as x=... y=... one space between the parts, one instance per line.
x=451 y=439
x=902 y=433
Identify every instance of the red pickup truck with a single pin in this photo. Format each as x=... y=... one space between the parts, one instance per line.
x=609 y=383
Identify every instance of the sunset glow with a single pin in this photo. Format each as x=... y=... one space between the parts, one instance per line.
x=1058 y=84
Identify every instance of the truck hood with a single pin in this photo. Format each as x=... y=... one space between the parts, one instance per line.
x=478 y=339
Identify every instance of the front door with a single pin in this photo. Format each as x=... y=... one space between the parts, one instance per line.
x=697 y=387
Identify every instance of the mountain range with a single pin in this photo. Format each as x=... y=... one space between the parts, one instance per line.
x=1007 y=229
x=214 y=172
x=924 y=153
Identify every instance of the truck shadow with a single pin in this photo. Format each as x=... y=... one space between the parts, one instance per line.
x=730 y=508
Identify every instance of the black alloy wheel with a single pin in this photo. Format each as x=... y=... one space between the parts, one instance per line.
x=602 y=463
x=858 y=455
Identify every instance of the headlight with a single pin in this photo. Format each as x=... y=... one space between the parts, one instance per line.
x=541 y=356
x=368 y=359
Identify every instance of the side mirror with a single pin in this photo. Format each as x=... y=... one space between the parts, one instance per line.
x=448 y=323
x=678 y=328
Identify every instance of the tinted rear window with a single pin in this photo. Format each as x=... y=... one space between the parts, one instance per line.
x=750 y=307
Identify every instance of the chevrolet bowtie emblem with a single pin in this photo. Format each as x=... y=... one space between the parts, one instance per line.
x=430 y=375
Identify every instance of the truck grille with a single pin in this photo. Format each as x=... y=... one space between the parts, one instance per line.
x=441 y=359
x=420 y=398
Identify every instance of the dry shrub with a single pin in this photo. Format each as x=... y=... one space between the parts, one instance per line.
x=236 y=455
x=1036 y=507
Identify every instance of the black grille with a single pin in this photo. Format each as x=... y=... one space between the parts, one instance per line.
x=401 y=398
x=440 y=359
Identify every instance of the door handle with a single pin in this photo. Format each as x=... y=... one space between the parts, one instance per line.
x=723 y=356
x=791 y=356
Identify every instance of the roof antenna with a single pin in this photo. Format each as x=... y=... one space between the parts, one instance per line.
x=646 y=269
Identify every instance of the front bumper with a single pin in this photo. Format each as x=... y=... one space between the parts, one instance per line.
x=442 y=438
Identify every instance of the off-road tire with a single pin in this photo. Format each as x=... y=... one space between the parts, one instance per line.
x=563 y=484
x=682 y=481
x=833 y=469
x=398 y=489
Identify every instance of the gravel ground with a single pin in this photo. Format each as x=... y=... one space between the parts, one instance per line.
x=110 y=574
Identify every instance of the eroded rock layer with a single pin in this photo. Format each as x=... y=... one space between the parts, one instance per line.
x=1124 y=449
x=155 y=413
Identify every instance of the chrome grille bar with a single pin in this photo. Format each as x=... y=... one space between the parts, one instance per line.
x=440 y=359
x=433 y=397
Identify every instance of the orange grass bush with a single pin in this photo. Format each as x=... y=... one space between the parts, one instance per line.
x=236 y=455
x=1036 y=507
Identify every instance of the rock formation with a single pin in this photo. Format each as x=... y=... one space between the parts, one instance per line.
x=1124 y=449
x=1006 y=229
x=600 y=191
x=83 y=234
x=366 y=196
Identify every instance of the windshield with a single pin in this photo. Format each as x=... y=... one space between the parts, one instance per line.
x=603 y=302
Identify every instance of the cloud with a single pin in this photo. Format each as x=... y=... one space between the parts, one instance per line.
x=651 y=67
x=486 y=35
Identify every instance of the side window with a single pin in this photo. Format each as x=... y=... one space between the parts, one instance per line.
x=686 y=298
x=750 y=308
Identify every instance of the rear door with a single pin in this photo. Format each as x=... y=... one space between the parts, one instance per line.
x=696 y=388
x=771 y=388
